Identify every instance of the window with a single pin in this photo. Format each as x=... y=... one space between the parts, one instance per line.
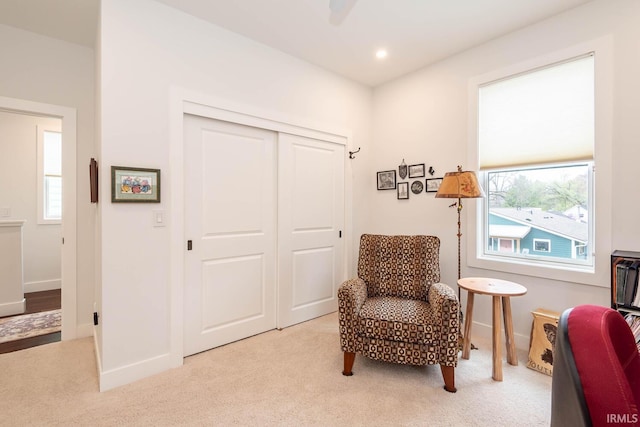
x=541 y=245
x=49 y=177
x=536 y=150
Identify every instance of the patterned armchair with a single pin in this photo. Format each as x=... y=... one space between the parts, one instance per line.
x=396 y=310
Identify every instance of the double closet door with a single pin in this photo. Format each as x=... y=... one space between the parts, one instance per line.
x=264 y=214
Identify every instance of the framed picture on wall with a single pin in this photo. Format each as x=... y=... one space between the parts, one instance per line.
x=135 y=185
x=433 y=184
x=416 y=187
x=387 y=180
x=403 y=190
x=416 y=171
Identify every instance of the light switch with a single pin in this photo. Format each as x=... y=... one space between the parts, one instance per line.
x=5 y=212
x=158 y=218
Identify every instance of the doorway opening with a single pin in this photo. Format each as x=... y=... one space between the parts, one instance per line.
x=44 y=291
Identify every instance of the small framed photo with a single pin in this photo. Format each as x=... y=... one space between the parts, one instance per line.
x=387 y=180
x=416 y=171
x=433 y=184
x=140 y=185
x=417 y=187
x=403 y=190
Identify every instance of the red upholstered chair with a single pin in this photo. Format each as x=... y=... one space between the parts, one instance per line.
x=596 y=371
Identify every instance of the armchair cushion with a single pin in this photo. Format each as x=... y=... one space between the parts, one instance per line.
x=397 y=319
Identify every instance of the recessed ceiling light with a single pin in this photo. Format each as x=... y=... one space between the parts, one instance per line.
x=381 y=54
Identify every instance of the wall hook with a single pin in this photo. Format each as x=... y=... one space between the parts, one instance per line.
x=431 y=170
x=351 y=153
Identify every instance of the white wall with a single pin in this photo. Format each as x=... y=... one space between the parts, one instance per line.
x=42 y=69
x=18 y=174
x=424 y=117
x=146 y=49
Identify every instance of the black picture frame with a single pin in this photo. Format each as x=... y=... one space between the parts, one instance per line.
x=416 y=171
x=386 y=180
x=432 y=185
x=417 y=187
x=403 y=190
x=135 y=185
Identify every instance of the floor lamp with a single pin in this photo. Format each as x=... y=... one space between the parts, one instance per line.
x=459 y=185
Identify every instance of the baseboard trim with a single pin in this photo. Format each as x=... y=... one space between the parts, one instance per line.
x=96 y=351
x=11 y=308
x=42 y=285
x=136 y=371
x=485 y=331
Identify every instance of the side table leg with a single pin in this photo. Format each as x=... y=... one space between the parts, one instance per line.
x=466 y=341
x=512 y=357
x=497 y=353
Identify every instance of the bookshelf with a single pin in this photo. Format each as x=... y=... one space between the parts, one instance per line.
x=625 y=289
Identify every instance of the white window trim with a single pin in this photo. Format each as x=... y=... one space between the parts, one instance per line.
x=40 y=169
x=598 y=275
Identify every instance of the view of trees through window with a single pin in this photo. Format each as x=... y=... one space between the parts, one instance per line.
x=550 y=189
x=539 y=211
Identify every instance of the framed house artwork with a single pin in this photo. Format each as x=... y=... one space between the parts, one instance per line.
x=137 y=185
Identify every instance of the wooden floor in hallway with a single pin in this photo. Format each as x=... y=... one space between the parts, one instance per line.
x=36 y=302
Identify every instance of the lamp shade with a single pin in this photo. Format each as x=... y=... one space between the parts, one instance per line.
x=460 y=184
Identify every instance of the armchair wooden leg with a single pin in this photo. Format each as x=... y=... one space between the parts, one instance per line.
x=348 y=363
x=448 y=374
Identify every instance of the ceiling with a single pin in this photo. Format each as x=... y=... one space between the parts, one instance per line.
x=73 y=21
x=416 y=33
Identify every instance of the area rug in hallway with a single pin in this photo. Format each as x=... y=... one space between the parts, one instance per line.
x=30 y=325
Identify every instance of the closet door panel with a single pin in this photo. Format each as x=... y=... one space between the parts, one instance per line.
x=310 y=224
x=230 y=219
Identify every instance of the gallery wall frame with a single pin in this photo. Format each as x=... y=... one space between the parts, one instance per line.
x=386 y=180
x=417 y=187
x=403 y=190
x=135 y=185
x=416 y=171
x=433 y=184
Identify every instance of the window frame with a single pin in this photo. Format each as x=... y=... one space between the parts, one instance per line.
x=598 y=273
x=41 y=186
x=531 y=255
x=547 y=241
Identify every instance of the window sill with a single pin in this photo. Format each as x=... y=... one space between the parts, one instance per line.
x=586 y=274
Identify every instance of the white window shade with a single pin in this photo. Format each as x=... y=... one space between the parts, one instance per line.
x=541 y=117
x=52 y=153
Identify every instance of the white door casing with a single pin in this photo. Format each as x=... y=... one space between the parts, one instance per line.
x=310 y=227
x=69 y=220
x=186 y=102
x=230 y=217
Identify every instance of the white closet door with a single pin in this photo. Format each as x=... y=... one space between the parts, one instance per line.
x=310 y=227
x=230 y=218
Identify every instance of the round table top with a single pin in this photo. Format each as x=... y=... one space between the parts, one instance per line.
x=488 y=286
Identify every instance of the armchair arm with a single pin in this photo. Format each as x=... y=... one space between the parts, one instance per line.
x=351 y=297
x=446 y=311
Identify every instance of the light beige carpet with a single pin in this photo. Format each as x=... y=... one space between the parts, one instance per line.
x=280 y=378
x=30 y=325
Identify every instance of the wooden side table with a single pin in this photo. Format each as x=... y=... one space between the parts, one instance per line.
x=497 y=289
